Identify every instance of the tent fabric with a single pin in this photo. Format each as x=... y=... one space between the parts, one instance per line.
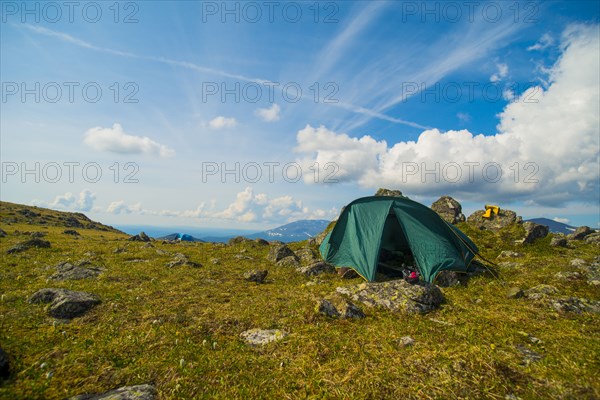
x=371 y=223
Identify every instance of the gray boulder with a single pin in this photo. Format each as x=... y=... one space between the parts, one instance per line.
x=581 y=232
x=534 y=231
x=289 y=262
x=65 y=304
x=449 y=209
x=81 y=270
x=141 y=237
x=593 y=238
x=307 y=256
x=339 y=307
x=180 y=259
x=138 y=392
x=36 y=242
x=495 y=222
x=388 y=192
x=540 y=292
x=317 y=268
x=397 y=295
x=278 y=252
x=559 y=241
x=255 y=275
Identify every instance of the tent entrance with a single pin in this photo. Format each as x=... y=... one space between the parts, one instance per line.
x=395 y=254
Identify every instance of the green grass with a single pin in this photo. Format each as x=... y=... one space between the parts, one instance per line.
x=178 y=328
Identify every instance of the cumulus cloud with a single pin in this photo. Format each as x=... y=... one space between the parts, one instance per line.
x=500 y=74
x=115 y=140
x=119 y=207
x=248 y=206
x=544 y=42
x=68 y=201
x=547 y=143
x=269 y=114
x=221 y=122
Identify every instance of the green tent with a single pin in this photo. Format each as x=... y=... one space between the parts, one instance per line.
x=370 y=224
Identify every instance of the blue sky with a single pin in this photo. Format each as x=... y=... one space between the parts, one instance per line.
x=489 y=103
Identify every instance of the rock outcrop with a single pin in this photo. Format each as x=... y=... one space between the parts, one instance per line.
x=388 y=192
x=495 y=222
x=534 y=232
x=80 y=270
x=449 y=209
x=396 y=295
x=29 y=244
x=138 y=392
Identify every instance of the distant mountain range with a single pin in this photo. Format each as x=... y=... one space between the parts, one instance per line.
x=556 y=227
x=182 y=236
x=292 y=232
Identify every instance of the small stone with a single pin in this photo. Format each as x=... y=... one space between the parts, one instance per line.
x=576 y=305
x=515 y=293
x=509 y=254
x=259 y=337
x=406 y=341
x=529 y=356
x=141 y=237
x=338 y=307
x=578 y=262
x=540 y=291
x=568 y=275
x=257 y=276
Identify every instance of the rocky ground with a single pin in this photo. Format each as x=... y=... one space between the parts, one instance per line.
x=87 y=312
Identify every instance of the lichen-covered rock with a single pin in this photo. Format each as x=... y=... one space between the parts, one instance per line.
x=495 y=222
x=307 y=256
x=594 y=238
x=581 y=232
x=258 y=337
x=81 y=270
x=65 y=304
x=568 y=275
x=576 y=305
x=509 y=254
x=278 y=252
x=448 y=278
x=317 y=268
x=35 y=242
x=289 y=262
x=515 y=293
x=138 y=392
x=388 y=192
x=141 y=237
x=449 y=209
x=540 y=291
x=559 y=241
x=257 y=276
x=592 y=272
x=180 y=259
x=339 y=307
x=534 y=231
x=397 y=295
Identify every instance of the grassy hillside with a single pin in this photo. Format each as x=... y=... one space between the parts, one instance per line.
x=179 y=327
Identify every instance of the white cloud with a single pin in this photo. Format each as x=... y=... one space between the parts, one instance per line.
x=501 y=74
x=556 y=130
x=70 y=202
x=269 y=114
x=464 y=117
x=222 y=122
x=544 y=42
x=115 y=140
x=561 y=220
x=119 y=207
